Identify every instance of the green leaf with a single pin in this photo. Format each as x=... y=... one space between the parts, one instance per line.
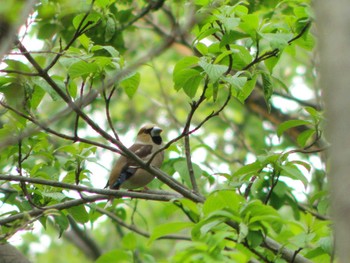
x=230 y=37
x=202 y=48
x=267 y=88
x=237 y=82
x=168 y=228
x=277 y=40
x=251 y=168
x=207 y=225
x=54 y=195
x=117 y=254
x=259 y=216
x=306 y=165
x=91 y=19
x=40 y=83
x=214 y=71
x=292 y=171
x=102 y=3
x=110 y=28
x=17 y=65
x=271 y=62
x=181 y=167
x=247 y=89
x=188 y=80
x=37 y=97
x=290 y=124
x=185 y=77
x=305 y=136
x=241 y=57
x=229 y=22
x=129 y=241
x=316 y=115
x=243 y=232
x=187 y=62
x=221 y=199
x=61 y=221
x=79 y=213
x=131 y=84
x=255 y=238
x=250 y=24
x=82 y=69
x=206 y=32
x=111 y=50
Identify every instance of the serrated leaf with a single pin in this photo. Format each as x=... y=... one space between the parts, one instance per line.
x=214 y=71
x=168 y=228
x=267 y=88
x=277 y=40
x=131 y=84
x=290 y=124
x=237 y=82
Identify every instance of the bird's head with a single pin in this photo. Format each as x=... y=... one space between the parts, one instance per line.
x=149 y=133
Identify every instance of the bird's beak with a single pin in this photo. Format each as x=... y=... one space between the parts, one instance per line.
x=156 y=131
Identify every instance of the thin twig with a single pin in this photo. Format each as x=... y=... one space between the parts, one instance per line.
x=80 y=31
x=275 y=52
x=133 y=228
x=53 y=132
x=108 y=114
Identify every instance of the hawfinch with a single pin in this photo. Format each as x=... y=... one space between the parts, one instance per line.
x=126 y=173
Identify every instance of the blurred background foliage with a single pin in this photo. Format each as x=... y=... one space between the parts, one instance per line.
x=259 y=162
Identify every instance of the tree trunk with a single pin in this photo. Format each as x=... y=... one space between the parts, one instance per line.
x=333 y=23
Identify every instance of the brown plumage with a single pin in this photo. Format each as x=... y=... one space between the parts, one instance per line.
x=126 y=172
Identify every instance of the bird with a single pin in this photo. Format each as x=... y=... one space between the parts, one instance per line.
x=126 y=173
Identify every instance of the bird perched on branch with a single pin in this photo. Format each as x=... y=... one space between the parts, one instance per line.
x=126 y=172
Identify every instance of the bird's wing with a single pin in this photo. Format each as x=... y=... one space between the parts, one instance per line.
x=142 y=150
x=130 y=166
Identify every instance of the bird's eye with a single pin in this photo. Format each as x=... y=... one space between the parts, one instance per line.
x=148 y=131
